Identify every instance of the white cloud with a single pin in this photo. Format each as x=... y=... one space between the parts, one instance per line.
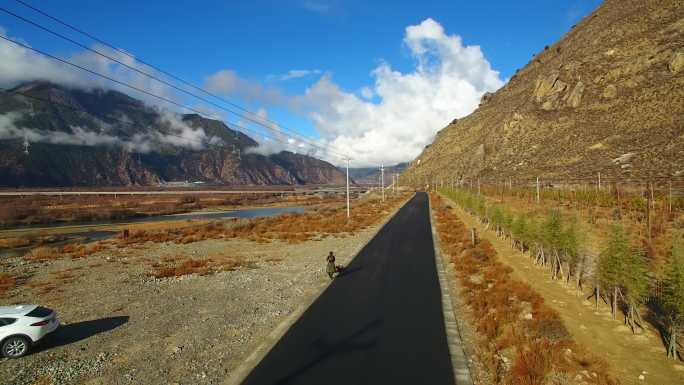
x=274 y=139
x=367 y=93
x=447 y=82
x=295 y=74
x=20 y=65
x=176 y=133
x=228 y=83
x=321 y=6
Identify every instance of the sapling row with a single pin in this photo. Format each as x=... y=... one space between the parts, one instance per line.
x=559 y=243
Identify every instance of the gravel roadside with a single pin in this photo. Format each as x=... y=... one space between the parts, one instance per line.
x=122 y=327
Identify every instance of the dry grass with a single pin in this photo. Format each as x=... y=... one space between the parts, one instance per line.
x=523 y=340
x=7 y=282
x=292 y=228
x=179 y=266
x=11 y=243
x=42 y=380
x=42 y=287
x=18 y=211
x=43 y=253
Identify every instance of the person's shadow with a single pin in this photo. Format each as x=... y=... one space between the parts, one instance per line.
x=78 y=331
x=349 y=271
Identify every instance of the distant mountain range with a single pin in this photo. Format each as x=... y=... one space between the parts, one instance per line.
x=371 y=175
x=52 y=135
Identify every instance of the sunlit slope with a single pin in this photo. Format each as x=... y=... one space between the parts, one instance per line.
x=608 y=97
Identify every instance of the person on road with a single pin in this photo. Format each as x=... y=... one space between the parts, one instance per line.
x=330 y=269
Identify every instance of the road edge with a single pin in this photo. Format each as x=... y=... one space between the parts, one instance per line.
x=459 y=359
x=243 y=370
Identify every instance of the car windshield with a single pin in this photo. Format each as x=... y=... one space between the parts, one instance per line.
x=39 y=312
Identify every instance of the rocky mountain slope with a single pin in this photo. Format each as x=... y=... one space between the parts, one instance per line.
x=371 y=175
x=608 y=97
x=100 y=138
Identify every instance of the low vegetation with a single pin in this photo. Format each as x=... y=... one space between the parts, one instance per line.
x=523 y=341
x=619 y=272
x=38 y=210
x=7 y=282
x=293 y=228
x=180 y=266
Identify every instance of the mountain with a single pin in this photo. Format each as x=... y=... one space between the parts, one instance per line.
x=371 y=175
x=608 y=97
x=106 y=138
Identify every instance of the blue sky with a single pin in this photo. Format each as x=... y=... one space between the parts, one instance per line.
x=340 y=41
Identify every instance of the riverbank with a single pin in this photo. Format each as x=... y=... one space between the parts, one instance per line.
x=38 y=210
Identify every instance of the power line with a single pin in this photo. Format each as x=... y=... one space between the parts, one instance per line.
x=258 y=120
x=125 y=84
x=144 y=73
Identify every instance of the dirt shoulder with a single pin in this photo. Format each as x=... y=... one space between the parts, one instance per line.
x=122 y=326
x=630 y=356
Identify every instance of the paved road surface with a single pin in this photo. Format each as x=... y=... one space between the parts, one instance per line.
x=381 y=323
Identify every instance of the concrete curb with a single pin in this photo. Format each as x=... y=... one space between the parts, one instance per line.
x=242 y=371
x=459 y=359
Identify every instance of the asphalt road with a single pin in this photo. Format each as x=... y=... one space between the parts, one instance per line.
x=380 y=323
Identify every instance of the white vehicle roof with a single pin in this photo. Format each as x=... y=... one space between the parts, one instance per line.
x=16 y=310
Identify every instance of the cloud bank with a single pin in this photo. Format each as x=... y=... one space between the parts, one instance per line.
x=394 y=118
x=20 y=65
x=388 y=121
x=176 y=133
x=447 y=82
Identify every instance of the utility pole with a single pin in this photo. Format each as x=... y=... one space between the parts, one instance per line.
x=382 y=181
x=26 y=145
x=348 y=211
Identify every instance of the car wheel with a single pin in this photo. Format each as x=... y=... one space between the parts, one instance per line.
x=15 y=347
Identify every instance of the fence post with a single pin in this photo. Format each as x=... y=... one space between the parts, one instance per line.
x=669 y=196
x=648 y=212
x=473 y=236
x=537 y=189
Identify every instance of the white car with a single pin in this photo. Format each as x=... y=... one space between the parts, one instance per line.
x=22 y=326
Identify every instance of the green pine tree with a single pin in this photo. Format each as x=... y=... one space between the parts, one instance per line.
x=552 y=240
x=673 y=297
x=635 y=283
x=610 y=264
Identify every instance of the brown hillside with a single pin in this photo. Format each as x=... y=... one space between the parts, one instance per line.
x=608 y=97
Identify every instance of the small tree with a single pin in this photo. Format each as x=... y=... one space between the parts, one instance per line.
x=635 y=284
x=496 y=219
x=673 y=297
x=610 y=264
x=519 y=229
x=553 y=241
x=572 y=240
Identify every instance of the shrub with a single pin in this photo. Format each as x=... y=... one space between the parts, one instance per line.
x=43 y=253
x=7 y=282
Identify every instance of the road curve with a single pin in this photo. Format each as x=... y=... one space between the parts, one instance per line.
x=380 y=323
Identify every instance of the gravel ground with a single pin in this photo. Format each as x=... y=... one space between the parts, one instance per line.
x=122 y=327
